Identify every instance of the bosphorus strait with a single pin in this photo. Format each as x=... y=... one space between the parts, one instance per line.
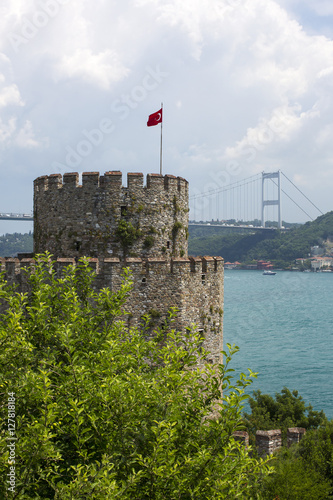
x=283 y=325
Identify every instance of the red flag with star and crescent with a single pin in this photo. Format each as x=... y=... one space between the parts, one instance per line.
x=155 y=118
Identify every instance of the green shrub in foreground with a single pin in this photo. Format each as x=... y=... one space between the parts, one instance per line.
x=102 y=411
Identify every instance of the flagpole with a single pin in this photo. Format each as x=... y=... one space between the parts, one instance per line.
x=161 y=141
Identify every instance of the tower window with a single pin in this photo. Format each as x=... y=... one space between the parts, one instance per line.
x=123 y=210
x=77 y=245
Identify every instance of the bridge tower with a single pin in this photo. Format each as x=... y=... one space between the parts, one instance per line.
x=265 y=203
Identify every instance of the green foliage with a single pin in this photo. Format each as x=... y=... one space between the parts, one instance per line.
x=305 y=471
x=103 y=411
x=287 y=410
x=316 y=448
x=294 y=479
x=11 y=244
x=176 y=207
x=127 y=234
x=148 y=242
x=175 y=228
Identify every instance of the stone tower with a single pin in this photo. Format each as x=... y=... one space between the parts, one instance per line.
x=142 y=227
x=101 y=218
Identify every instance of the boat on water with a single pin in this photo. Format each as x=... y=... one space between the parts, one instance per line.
x=269 y=273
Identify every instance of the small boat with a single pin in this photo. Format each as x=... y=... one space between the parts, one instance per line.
x=269 y=273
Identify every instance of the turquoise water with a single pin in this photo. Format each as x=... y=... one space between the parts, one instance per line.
x=283 y=325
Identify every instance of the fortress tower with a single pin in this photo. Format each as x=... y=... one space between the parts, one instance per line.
x=143 y=227
x=101 y=218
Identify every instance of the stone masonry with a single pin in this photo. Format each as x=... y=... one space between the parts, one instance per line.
x=294 y=435
x=71 y=220
x=268 y=441
x=141 y=227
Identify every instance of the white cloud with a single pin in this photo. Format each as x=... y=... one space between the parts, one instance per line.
x=19 y=137
x=282 y=125
x=102 y=69
x=244 y=76
x=7 y=130
x=26 y=139
x=10 y=95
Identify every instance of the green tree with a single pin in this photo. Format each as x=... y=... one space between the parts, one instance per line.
x=316 y=448
x=103 y=411
x=294 y=479
x=305 y=471
x=287 y=409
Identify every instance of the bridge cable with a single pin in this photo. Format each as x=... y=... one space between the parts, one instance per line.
x=292 y=200
x=302 y=193
x=227 y=187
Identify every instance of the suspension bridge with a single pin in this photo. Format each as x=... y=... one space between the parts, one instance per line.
x=258 y=198
x=250 y=199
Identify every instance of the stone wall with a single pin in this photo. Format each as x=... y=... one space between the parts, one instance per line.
x=268 y=441
x=193 y=286
x=101 y=218
x=294 y=435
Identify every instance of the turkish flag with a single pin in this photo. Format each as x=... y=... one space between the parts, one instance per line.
x=155 y=118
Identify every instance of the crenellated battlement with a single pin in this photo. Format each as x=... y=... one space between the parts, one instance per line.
x=181 y=266
x=111 y=181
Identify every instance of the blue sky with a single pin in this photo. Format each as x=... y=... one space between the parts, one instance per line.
x=246 y=87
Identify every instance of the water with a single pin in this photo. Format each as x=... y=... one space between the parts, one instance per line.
x=283 y=325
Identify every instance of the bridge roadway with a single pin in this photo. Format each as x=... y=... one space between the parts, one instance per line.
x=12 y=216
x=29 y=217
x=233 y=226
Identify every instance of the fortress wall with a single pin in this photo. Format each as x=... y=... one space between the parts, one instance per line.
x=294 y=435
x=268 y=441
x=158 y=285
x=73 y=220
x=202 y=291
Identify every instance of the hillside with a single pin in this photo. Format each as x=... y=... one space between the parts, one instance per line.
x=275 y=246
x=11 y=244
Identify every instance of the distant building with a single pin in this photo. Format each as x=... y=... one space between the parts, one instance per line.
x=232 y=265
x=300 y=261
x=321 y=262
x=263 y=264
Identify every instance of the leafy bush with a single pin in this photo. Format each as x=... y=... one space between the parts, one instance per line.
x=305 y=471
x=102 y=411
x=288 y=409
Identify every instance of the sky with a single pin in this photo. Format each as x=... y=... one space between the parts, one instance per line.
x=246 y=87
